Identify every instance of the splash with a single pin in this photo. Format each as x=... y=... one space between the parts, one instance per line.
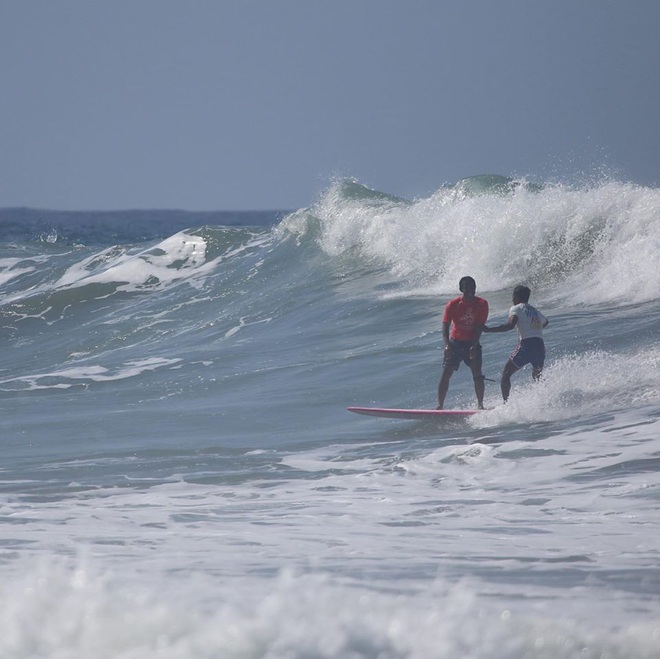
x=61 y=611
x=601 y=242
x=580 y=385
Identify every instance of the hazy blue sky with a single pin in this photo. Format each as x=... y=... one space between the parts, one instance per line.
x=258 y=104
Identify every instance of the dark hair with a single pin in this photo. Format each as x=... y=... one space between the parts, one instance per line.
x=464 y=280
x=522 y=293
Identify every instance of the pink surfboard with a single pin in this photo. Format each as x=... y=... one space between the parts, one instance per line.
x=414 y=415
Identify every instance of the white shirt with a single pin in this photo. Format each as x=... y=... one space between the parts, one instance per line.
x=530 y=320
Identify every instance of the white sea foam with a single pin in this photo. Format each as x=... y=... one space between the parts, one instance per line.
x=57 y=612
x=579 y=385
x=367 y=558
x=602 y=242
x=68 y=377
x=9 y=272
x=170 y=260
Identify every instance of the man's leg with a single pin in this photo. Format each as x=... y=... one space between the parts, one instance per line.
x=505 y=383
x=443 y=385
x=479 y=386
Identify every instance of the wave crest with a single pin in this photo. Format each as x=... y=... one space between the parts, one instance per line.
x=601 y=242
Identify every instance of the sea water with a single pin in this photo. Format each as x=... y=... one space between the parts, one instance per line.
x=181 y=479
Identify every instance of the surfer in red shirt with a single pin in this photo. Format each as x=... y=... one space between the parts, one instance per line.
x=462 y=324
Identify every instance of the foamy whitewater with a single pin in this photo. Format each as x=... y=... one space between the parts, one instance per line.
x=181 y=479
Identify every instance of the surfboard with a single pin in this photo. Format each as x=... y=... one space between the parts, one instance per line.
x=413 y=415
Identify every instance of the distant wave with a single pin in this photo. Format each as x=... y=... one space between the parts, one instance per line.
x=117 y=227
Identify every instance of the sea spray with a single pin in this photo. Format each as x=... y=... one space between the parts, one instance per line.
x=601 y=242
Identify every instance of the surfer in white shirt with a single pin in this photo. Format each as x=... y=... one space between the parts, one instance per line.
x=530 y=323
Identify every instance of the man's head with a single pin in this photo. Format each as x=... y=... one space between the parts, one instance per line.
x=521 y=294
x=467 y=286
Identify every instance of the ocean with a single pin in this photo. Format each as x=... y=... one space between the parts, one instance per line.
x=181 y=478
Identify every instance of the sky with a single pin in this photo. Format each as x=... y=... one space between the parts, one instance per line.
x=261 y=104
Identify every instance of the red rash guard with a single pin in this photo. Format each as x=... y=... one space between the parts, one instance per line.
x=464 y=316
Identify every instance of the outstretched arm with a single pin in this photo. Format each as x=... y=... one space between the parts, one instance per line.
x=509 y=325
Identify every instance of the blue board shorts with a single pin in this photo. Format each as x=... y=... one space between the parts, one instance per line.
x=459 y=351
x=529 y=351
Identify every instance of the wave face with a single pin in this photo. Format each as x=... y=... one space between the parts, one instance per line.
x=180 y=477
